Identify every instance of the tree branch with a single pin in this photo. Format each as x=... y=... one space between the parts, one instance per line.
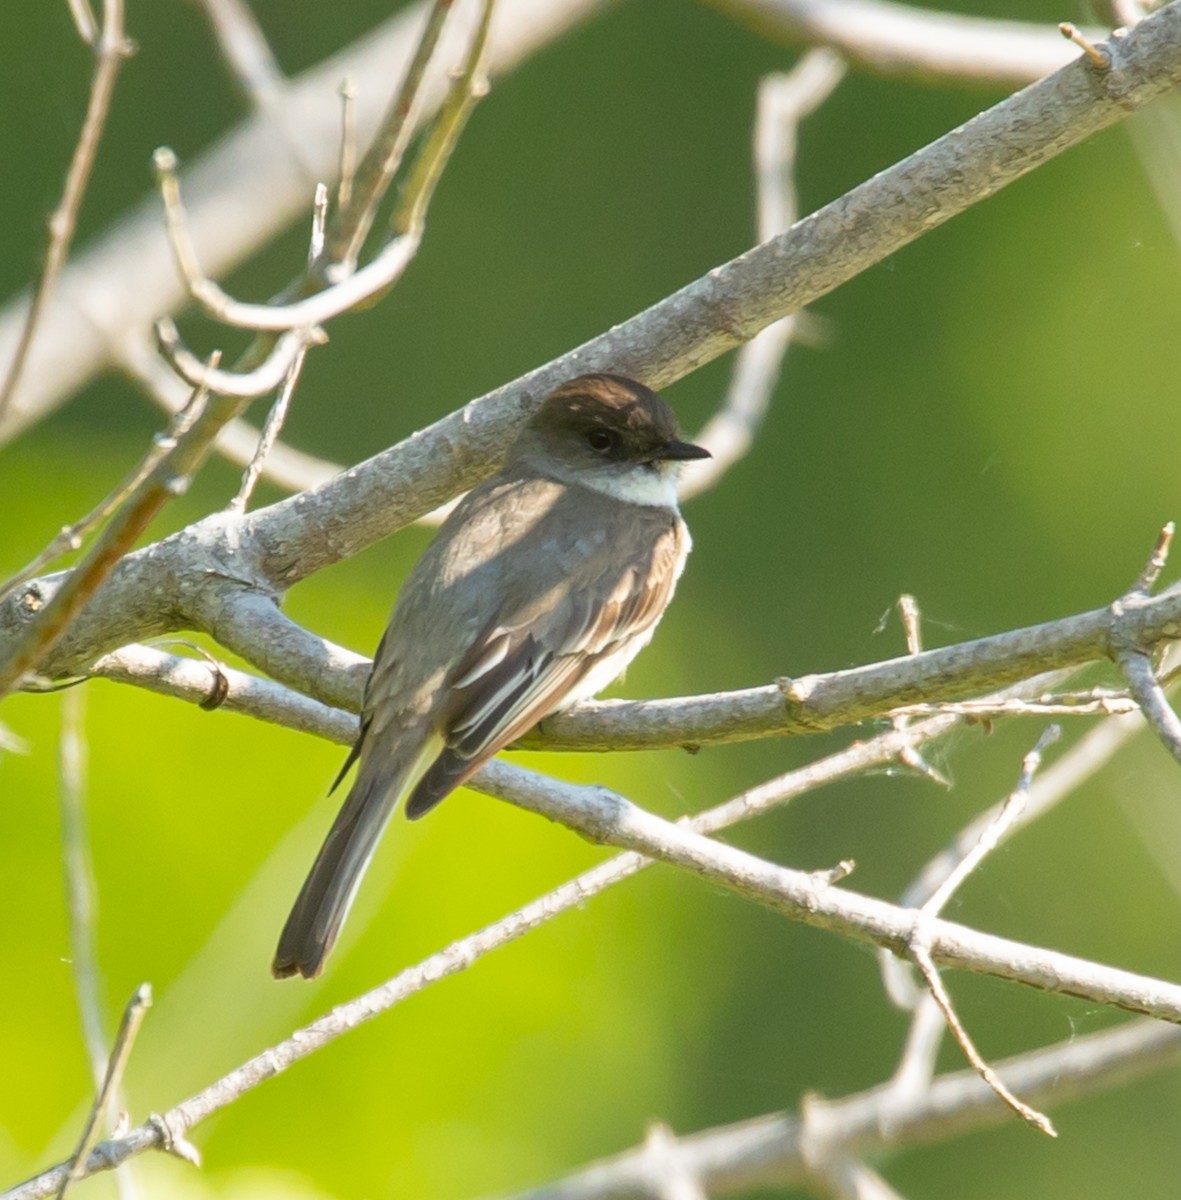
x=899 y=39
x=276 y=546
x=111 y=48
x=770 y=1151
x=603 y=816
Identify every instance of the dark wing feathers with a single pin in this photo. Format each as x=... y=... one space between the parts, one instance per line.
x=522 y=668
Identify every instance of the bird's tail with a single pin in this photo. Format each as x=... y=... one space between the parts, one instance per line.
x=327 y=893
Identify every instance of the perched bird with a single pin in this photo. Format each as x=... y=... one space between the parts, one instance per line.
x=539 y=589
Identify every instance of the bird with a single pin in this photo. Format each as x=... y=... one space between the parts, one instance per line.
x=538 y=590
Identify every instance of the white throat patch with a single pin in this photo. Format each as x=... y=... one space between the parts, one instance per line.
x=637 y=485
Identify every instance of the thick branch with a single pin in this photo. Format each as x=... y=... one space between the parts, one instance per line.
x=246 y=620
x=277 y=546
x=731 y=303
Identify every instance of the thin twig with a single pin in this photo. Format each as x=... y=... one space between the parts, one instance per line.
x=1039 y=796
x=908 y=610
x=784 y=101
x=84 y=20
x=348 y=144
x=288 y=468
x=1027 y=1113
x=991 y=837
x=934 y=904
x=469 y=86
x=111 y=48
x=245 y=50
x=78 y=872
x=269 y=435
x=1095 y=52
x=78 y=1165
x=70 y=537
x=1135 y=662
x=380 y=164
x=1094 y=701
x=1156 y=563
x=917 y=1064
x=375 y=277
x=319 y=223
x=903 y=39
x=246 y=385
x=169 y=477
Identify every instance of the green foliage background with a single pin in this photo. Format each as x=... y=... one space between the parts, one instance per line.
x=992 y=425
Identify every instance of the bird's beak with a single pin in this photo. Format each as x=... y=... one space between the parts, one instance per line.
x=681 y=452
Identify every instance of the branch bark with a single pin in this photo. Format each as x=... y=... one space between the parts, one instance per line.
x=275 y=547
x=604 y=816
x=772 y=1151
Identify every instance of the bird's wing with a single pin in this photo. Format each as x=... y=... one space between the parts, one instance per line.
x=524 y=666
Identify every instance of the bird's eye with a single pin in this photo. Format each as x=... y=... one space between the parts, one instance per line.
x=602 y=440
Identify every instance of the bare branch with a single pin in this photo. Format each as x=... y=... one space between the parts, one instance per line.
x=286 y=467
x=245 y=49
x=84 y=20
x=1157 y=561
x=133 y=1016
x=900 y=39
x=1095 y=51
x=1091 y=702
x=248 y=187
x=374 y=277
x=78 y=873
x=470 y=85
x=1031 y=1116
x=243 y=615
x=381 y=162
x=603 y=816
x=1154 y=704
x=996 y=829
x=348 y=145
x=213 y=686
x=70 y=536
x=1087 y=756
x=669 y=1178
x=169 y=477
x=771 y=1151
x=731 y=303
x=1134 y=661
x=784 y=101
x=111 y=48
x=269 y=435
x=246 y=385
